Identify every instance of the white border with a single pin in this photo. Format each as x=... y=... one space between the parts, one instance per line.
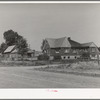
x=45 y=93
x=48 y=2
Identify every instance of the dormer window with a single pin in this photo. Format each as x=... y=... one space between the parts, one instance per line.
x=57 y=51
x=74 y=51
x=67 y=51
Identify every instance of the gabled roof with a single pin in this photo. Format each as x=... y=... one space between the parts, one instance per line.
x=51 y=42
x=62 y=42
x=9 y=49
x=89 y=44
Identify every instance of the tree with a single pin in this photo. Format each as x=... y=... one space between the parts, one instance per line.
x=3 y=47
x=10 y=37
x=13 y=38
x=22 y=46
x=43 y=42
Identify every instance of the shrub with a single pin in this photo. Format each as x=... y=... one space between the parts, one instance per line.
x=86 y=55
x=43 y=57
x=57 y=57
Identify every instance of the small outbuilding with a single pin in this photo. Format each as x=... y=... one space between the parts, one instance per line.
x=11 y=53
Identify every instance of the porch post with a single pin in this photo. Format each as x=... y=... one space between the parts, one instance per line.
x=97 y=56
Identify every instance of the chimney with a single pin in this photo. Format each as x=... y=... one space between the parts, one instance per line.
x=69 y=38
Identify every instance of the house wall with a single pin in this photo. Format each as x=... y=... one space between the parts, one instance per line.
x=72 y=53
x=11 y=56
x=94 y=52
x=6 y=56
x=65 y=53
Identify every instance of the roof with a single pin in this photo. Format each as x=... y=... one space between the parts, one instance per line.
x=30 y=51
x=89 y=44
x=14 y=51
x=74 y=43
x=62 y=42
x=9 y=49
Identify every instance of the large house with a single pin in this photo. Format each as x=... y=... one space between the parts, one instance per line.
x=68 y=48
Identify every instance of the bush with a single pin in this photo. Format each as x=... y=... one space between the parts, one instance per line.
x=43 y=57
x=86 y=55
x=57 y=57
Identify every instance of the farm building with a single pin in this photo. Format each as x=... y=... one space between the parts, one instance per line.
x=30 y=53
x=11 y=53
x=66 y=48
x=33 y=55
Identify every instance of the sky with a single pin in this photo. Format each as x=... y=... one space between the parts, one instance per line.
x=37 y=21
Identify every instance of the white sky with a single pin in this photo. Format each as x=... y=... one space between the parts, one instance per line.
x=37 y=21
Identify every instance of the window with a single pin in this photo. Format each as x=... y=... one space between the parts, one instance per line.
x=64 y=57
x=75 y=57
x=93 y=55
x=57 y=51
x=68 y=57
x=93 y=50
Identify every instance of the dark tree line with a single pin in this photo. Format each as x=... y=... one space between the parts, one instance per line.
x=13 y=38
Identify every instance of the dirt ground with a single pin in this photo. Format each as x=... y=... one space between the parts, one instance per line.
x=27 y=77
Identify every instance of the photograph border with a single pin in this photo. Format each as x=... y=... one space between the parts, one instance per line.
x=49 y=93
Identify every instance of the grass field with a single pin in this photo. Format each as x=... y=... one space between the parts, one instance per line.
x=22 y=63
x=81 y=68
x=87 y=68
